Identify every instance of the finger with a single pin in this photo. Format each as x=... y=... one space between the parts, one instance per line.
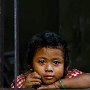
x=49 y=87
x=42 y=87
x=32 y=84
x=34 y=80
x=34 y=75
x=36 y=83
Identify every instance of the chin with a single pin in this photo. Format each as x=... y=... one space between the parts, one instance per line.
x=48 y=82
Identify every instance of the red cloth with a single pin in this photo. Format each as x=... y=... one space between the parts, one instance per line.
x=21 y=78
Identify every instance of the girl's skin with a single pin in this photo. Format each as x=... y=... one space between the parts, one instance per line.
x=48 y=67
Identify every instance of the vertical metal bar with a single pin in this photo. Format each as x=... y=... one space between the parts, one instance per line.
x=16 y=41
x=0 y=49
x=1 y=41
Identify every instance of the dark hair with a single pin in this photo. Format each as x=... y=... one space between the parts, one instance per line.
x=47 y=39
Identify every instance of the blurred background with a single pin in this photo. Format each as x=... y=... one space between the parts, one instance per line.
x=69 y=18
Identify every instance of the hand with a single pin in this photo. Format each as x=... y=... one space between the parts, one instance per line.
x=32 y=79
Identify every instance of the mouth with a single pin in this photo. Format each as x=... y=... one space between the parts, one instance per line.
x=48 y=77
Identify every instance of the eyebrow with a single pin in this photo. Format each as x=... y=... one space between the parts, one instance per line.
x=42 y=57
x=61 y=59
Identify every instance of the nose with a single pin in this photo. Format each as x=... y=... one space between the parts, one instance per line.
x=48 y=68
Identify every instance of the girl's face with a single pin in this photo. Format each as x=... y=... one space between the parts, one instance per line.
x=49 y=64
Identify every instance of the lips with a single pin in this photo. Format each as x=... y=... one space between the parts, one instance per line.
x=48 y=77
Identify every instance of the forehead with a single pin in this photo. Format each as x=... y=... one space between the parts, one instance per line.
x=49 y=51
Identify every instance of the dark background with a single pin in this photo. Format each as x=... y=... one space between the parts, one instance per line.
x=70 y=18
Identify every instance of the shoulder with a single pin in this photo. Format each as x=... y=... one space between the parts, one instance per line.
x=73 y=73
x=20 y=81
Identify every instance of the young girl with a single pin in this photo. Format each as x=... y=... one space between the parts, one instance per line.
x=48 y=59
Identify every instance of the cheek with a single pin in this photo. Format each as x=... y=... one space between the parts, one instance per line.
x=59 y=72
x=38 y=68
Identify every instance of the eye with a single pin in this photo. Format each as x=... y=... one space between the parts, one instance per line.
x=56 y=62
x=41 y=61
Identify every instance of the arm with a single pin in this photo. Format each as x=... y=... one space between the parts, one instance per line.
x=27 y=81
x=81 y=81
